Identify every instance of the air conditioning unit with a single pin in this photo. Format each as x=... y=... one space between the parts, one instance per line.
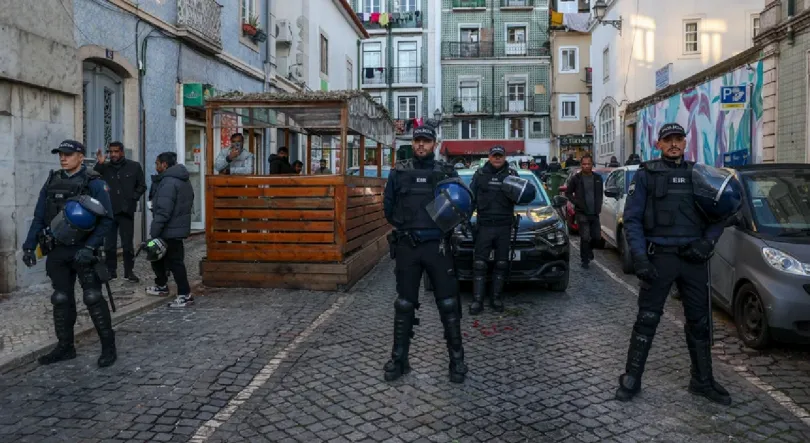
x=283 y=32
x=283 y=66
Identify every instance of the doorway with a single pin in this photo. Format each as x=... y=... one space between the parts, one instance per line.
x=194 y=159
x=102 y=110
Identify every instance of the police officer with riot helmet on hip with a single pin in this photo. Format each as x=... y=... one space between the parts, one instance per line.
x=675 y=212
x=497 y=189
x=72 y=216
x=424 y=200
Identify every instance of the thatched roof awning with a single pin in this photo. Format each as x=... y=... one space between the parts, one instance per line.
x=315 y=112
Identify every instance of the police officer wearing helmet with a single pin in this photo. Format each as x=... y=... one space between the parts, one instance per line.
x=675 y=212
x=72 y=216
x=497 y=189
x=419 y=245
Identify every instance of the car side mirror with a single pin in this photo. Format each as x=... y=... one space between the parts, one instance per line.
x=558 y=201
x=613 y=193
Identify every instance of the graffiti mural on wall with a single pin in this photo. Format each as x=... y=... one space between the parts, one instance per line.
x=711 y=132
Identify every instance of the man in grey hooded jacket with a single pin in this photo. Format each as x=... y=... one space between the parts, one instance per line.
x=235 y=160
x=172 y=203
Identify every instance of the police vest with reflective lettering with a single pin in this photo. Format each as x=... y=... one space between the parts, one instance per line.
x=415 y=191
x=60 y=188
x=670 y=210
x=493 y=206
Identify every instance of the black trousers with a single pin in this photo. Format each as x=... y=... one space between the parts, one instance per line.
x=590 y=234
x=63 y=271
x=174 y=262
x=691 y=279
x=489 y=238
x=125 y=228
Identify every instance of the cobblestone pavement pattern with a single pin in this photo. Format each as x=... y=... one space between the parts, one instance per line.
x=26 y=317
x=545 y=370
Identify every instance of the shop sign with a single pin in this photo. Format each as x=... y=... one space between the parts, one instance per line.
x=576 y=140
x=195 y=94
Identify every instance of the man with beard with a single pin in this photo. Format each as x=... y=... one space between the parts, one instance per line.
x=126 y=182
x=671 y=240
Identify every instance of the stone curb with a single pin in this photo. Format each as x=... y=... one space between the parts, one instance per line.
x=30 y=353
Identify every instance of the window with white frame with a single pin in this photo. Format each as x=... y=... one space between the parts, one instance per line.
x=754 y=25
x=324 y=55
x=407 y=70
x=691 y=37
x=515 y=40
x=606 y=64
x=568 y=6
x=406 y=107
x=369 y=6
x=516 y=96
x=537 y=128
x=515 y=128
x=607 y=129
x=569 y=60
x=469 y=129
x=373 y=71
x=569 y=107
x=469 y=92
x=405 y=5
x=248 y=9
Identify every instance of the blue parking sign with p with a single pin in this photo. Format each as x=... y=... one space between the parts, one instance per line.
x=733 y=97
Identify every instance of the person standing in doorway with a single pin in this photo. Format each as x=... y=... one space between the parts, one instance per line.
x=585 y=191
x=127 y=185
x=235 y=160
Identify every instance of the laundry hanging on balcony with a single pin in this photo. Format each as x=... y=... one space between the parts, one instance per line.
x=577 y=22
x=384 y=19
x=375 y=17
x=556 y=18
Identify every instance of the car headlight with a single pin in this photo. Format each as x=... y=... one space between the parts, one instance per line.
x=785 y=262
x=554 y=235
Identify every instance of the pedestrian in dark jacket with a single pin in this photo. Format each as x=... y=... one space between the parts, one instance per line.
x=171 y=221
x=555 y=165
x=585 y=191
x=614 y=162
x=125 y=179
x=280 y=162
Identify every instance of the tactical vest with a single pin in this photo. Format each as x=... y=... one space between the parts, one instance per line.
x=494 y=208
x=416 y=190
x=60 y=188
x=670 y=210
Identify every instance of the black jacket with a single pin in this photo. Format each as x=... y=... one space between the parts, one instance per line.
x=280 y=165
x=126 y=182
x=576 y=193
x=172 y=203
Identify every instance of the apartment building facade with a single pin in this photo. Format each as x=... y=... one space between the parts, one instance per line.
x=495 y=65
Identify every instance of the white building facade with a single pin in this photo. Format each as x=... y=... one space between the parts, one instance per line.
x=659 y=44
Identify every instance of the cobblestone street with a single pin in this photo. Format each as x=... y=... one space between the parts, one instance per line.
x=280 y=365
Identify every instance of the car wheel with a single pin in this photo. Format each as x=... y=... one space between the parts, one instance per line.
x=750 y=318
x=426 y=280
x=624 y=252
x=562 y=285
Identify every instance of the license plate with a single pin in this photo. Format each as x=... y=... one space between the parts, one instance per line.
x=492 y=256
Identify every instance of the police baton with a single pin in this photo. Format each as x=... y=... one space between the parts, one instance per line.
x=104 y=275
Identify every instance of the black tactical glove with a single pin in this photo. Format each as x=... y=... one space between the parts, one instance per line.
x=29 y=257
x=644 y=269
x=85 y=256
x=699 y=251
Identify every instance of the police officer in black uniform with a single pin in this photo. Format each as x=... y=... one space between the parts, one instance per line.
x=419 y=246
x=671 y=241
x=495 y=221
x=67 y=261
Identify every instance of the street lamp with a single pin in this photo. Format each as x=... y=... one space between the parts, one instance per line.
x=599 y=11
x=437 y=115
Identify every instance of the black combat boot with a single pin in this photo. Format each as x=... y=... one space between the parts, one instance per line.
x=498 y=283
x=451 y=319
x=479 y=288
x=64 y=317
x=630 y=381
x=702 y=382
x=100 y=314
x=404 y=319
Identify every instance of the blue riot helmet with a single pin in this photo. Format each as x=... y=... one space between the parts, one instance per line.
x=518 y=190
x=76 y=220
x=452 y=204
x=717 y=192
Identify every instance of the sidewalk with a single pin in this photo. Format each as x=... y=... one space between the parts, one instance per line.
x=26 y=321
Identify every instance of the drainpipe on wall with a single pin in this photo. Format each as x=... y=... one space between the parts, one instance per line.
x=142 y=127
x=269 y=60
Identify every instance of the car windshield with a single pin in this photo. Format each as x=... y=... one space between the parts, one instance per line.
x=780 y=200
x=370 y=171
x=540 y=198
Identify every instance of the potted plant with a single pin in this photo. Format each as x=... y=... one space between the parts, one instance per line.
x=259 y=36
x=251 y=26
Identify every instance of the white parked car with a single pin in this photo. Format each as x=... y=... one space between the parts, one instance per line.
x=612 y=216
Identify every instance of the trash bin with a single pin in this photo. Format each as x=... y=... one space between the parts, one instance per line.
x=555 y=180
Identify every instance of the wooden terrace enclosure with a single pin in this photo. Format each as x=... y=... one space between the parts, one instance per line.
x=319 y=232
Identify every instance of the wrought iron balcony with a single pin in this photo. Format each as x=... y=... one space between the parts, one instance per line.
x=396 y=20
x=407 y=75
x=589 y=76
x=385 y=76
x=470 y=106
x=493 y=49
x=199 y=23
x=374 y=76
x=404 y=127
x=517 y=4
x=516 y=104
x=469 y=4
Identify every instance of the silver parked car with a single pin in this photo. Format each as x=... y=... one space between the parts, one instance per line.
x=760 y=272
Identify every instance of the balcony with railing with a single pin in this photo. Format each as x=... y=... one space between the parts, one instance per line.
x=374 y=76
x=589 y=77
x=517 y=4
x=404 y=127
x=493 y=49
x=410 y=75
x=516 y=104
x=461 y=106
x=469 y=4
x=199 y=23
x=399 y=19
x=385 y=76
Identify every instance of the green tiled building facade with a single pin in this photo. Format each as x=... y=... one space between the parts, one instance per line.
x=495 y=83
